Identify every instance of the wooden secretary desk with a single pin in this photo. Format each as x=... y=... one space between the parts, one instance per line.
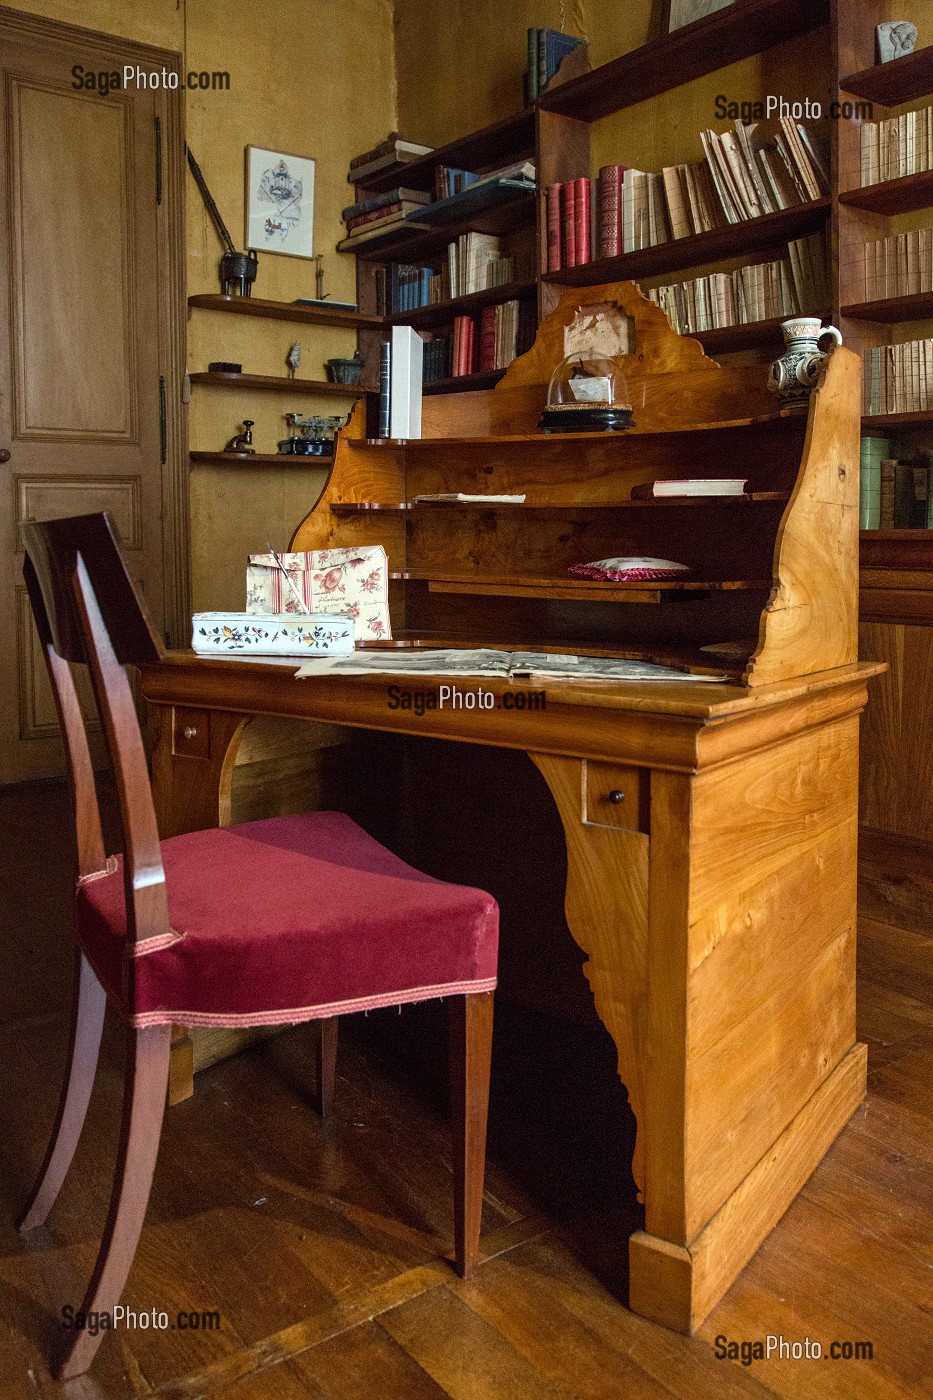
x=710 y=828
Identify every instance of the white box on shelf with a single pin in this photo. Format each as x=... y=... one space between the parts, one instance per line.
x=271 y=634
x=407 y=362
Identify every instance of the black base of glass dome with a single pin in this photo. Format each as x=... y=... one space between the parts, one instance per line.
x=585 y=420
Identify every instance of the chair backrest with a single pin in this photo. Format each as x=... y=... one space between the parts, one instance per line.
x=88 y=611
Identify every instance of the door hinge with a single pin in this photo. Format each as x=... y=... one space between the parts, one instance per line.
x=163 y=452
x=158 y=160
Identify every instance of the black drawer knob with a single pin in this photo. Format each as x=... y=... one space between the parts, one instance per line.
x=616 y=796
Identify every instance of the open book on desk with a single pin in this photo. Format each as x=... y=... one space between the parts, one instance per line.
x=506 y=665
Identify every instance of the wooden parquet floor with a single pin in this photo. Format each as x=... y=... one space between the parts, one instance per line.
x=322 y=1246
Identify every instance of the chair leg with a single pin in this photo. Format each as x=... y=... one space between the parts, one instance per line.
x=143 y=1108
x=326 y=1064
x=87 y=1021
x=470 y=1021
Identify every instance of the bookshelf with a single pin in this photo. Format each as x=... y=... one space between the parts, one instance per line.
x=554 y=132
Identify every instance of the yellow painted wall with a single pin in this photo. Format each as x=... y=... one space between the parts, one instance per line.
x=295 y=85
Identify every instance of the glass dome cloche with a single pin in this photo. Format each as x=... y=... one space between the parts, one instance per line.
x=587 y=393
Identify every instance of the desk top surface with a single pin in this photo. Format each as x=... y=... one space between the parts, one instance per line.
x=667 y=724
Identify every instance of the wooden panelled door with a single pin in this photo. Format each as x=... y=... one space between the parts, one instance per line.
x=90 y=335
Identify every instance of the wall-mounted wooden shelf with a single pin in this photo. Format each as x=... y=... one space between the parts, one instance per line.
x=278 y=382
x=700 y=248
x=711 y=43
x=916 y=307
x=901 y=80
x=283 y=311
x=900 y=196
x=259 y=459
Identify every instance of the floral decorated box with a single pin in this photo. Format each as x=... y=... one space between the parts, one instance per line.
x=271 y=634
x=350 y=583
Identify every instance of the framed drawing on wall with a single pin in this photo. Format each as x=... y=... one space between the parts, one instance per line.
x=682 y=12
x=279 y=202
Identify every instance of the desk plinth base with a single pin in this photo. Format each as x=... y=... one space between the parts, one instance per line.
x=678 y=1285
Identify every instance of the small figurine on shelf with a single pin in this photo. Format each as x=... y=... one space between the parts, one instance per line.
x=242 y=443
x=896 y=38
x=293 y=359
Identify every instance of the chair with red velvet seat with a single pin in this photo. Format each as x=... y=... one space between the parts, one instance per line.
x=281 y=921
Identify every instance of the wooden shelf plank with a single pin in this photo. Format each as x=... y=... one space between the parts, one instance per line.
x=278 y=382
x=463 y=383
x=562 y=507
x=916 y=307
x=440 y=313
x=568 y=589
x=416 y=243
x=260 y=459
x=901 y=80
x=900 y=196
x=283 y=311
x=499 y=144
x=881 y=423
x=783 y=418
x=753 y=336
x=699 y=248
x=708 y=44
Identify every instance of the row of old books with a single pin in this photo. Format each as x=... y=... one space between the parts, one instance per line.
x=897 y=146
x=474 y=262
x=547 y=49
x=899 y=266
x=742 y=177
x=759 y=292
x=896 y=495
x=477 y=345
x=899 y=378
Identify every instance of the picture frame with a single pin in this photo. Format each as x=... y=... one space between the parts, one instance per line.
x=683 y=12
x=279 y=203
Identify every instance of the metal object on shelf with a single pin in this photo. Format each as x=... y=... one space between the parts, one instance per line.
x=242 y=443
x=345 y=371
x=224 y=367
x=310 y=437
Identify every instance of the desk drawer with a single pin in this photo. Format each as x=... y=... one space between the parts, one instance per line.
x=616 y=795
x=191 y=732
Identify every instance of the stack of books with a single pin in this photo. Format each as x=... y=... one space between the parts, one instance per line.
x=389 y=153
x=899 y=378
x=547 y=49
x=796 y=285
x=742 y=177
x=897 y=146
x=380 y=214
x=899 y=266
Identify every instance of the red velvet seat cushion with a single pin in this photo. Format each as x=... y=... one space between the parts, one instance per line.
x=286 y=920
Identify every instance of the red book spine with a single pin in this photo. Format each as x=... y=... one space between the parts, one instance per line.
x=553 y=228
x=608 y=206
x=620 y=175
x=470 y=336
x=582 y=219
x=456 y=362
x=568 y=201
x=487 y=338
